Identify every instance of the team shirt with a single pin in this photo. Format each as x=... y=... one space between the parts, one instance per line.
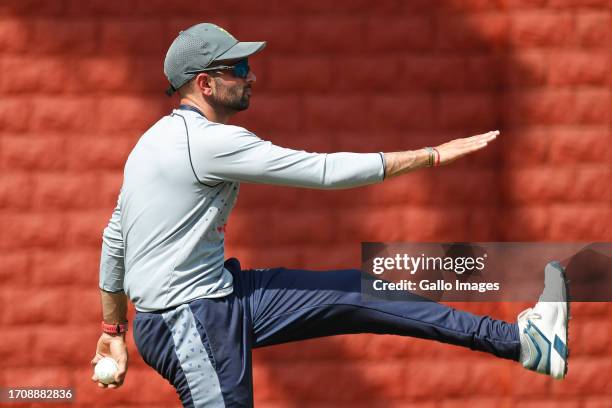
x=164 y=244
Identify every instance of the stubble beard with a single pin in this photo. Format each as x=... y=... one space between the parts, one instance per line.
x=234 y=99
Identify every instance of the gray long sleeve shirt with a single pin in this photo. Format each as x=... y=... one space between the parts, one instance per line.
x=164 y=243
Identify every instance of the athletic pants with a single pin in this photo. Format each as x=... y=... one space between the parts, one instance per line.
x=203 y=348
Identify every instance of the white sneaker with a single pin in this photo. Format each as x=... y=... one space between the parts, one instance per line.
x=543 y=328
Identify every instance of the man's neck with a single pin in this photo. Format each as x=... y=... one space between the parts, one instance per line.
x=206 y=110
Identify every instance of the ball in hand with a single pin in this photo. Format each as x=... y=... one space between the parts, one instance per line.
x=105 y=370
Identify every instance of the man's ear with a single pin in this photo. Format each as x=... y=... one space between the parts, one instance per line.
x=203 y=83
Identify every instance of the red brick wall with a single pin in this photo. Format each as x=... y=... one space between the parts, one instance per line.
x=80 y=81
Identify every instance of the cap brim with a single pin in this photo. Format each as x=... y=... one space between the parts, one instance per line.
x=242 y=50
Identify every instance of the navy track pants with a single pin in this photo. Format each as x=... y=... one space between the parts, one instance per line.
x=203 y=348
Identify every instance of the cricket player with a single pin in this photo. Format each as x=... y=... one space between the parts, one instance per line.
x=200 y=315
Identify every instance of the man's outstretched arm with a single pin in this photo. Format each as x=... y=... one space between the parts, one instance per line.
x=235 y=154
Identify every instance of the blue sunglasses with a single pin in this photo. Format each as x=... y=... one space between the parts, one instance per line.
x=240 y=69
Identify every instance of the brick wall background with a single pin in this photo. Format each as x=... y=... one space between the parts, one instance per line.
x=81 y=80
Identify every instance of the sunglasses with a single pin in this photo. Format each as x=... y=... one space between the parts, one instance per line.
x=240 y=69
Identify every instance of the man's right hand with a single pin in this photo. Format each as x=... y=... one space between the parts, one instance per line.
x=113 y=346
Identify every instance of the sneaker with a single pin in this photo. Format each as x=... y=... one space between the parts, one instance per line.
x=543 y=328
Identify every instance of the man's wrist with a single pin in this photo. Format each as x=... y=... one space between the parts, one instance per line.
x=433 y=156
x=114 y=336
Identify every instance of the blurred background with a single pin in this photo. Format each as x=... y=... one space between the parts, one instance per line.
x=81 y=81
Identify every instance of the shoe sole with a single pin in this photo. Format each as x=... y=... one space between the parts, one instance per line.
x=561 y=329
x=567 y=319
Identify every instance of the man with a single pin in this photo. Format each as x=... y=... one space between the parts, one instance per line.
x=198 y=315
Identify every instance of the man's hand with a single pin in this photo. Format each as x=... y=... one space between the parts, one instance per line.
x=112 y=346
x=402 y=162
x=457 y=148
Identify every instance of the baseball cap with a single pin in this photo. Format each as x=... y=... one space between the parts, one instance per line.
x=198 y=47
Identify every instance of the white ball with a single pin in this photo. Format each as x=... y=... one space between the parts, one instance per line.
x=105 y=370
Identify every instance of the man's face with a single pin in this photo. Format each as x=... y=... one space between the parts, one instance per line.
x=230 y=92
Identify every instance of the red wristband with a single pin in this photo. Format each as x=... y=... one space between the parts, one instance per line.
x=117 y=328
x=437 y=163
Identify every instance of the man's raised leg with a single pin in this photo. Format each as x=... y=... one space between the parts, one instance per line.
x=288 y=305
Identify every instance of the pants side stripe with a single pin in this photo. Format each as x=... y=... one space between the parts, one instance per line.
x=200 y=374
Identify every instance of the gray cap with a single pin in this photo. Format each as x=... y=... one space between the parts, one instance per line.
x=198 y=47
